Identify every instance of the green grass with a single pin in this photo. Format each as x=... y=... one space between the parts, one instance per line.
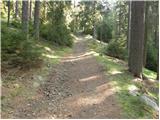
x=94 y=45
x=117 y=73
x=149 y=73
x=132 y=106
x=52 y=54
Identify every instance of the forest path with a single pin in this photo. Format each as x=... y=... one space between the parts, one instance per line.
x=76 y=88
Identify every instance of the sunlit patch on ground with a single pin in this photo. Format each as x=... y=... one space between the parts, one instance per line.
x=50 y=56
x=97 y=96
x=113 y=72
x=79 y=57
x=89 y=78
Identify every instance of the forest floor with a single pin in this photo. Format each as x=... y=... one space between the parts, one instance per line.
x=77 y=87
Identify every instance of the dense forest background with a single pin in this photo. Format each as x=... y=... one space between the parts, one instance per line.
x=106 y=22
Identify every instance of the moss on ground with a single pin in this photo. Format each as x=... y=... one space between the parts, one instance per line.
x=149 y=74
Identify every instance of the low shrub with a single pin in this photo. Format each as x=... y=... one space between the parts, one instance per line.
x=58 y=34
x=151 y=60
x=104 y=32
x=88 y=31
x=16 y=24
x=115 y=49
x=16 y=49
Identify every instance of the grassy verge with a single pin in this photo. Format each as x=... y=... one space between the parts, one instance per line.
x=149 y=74
x=116 y=71
x=52 y=54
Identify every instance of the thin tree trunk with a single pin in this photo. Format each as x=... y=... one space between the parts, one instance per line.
x=16 y=9
x=129 y=30
x=74 y=22
x=9 y=10
x=25 y=18
x=119 y=28
x=129 y=24
x=101 y=33
x=94 y=23
x=30 y=10
x=36 y=19
x=137 y=38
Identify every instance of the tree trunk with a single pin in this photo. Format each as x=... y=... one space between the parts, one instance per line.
x=45 y=10
x=119 y=28
x=74 y=22
x=36 y=19
x=30 y=10
x=94 y=23
x=101 y=33
x=129 y=30
x=146 y=32
x=9 y=10
x=25 y=18
x=137 y=38
x=129 y=24
x=157 y=38
x=16 y=9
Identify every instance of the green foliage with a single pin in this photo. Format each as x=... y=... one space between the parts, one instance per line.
x=151 y=61
x=30 y=51
x=44 y=29
x=88 y=16
x=59 y=34
x=72 y=25
x=88 y=31
x=104 y=32
x=16 y=24
x=9 y=44
x=56 y=30
x=115 y=49
x=16 y=49
x=149 y=73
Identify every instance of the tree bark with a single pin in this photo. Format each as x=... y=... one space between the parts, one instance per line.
x=137 y=38
x=16 y=9
x=157 y=38
x=30 y=10
x=25 y=18
x=129 y=31
x=146 y=32
x=36 y=19
x=129 y=25
x=94 y=23
x=9 y=10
